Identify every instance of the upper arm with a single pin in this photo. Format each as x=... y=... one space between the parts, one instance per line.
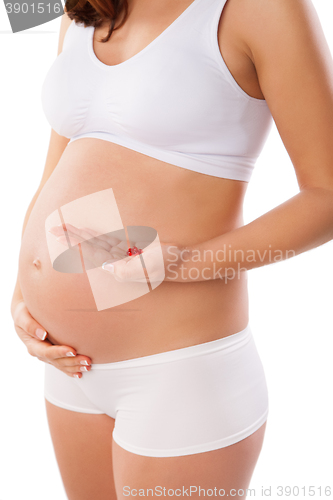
x=57 y=142
x=65 y=22
x=287 y=45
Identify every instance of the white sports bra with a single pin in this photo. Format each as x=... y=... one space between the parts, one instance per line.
x=175 y=100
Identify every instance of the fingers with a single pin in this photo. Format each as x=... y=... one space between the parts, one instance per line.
x=132 y=268
x=122 y=245
x=76 y=235
x=110 y=240
x=74 y=240
x=72 y=232
x=89 y=236
x=98 y=249
x=80 y=235
x=127 y=269
x=62 y=357
x=118 y=253
x=84 y=234
x=58 y=356
x=93 y=254
x=24 y=320
x=65 y=358
x=97 y=254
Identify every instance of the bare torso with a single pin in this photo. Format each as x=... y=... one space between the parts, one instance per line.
x=184 y=207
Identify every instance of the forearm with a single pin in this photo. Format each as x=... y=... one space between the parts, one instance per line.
x=17 y=294
x=303 y=222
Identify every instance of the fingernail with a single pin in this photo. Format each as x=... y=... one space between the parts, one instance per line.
x=84 y=362
x=70 y=354
x=108 y=267
x=76 y=375
x=83 y=368
x=41 y=333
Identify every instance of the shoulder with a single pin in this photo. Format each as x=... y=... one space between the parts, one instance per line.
x=286 y=42
x=269 y=26
x=64 y=25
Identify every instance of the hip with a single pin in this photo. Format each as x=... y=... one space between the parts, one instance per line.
x=176 y=402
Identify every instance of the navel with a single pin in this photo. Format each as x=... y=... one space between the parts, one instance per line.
x=37 y=263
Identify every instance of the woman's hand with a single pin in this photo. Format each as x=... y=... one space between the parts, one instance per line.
x=96 y=248
x=29 y=330
x=161 y=260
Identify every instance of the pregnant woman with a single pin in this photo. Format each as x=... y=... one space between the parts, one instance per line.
x=171 y=111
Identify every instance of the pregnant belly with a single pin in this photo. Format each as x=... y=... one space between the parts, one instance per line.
x=148 y=193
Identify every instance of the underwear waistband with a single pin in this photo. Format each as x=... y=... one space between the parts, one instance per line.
x=235 y=340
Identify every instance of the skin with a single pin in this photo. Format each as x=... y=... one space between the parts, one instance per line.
x=294 y=73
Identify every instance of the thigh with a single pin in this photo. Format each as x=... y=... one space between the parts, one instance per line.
x=228 y=468
x=82 y=445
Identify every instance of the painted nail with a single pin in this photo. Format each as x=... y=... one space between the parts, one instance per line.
x=108 y=267
x=76 y=375
x=84 y=362
x=83 y=368
x=41 y=333
x=70 y=354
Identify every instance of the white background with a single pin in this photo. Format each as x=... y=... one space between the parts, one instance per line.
x=290 y=302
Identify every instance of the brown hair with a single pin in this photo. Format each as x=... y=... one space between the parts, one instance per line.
x=95 y=12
